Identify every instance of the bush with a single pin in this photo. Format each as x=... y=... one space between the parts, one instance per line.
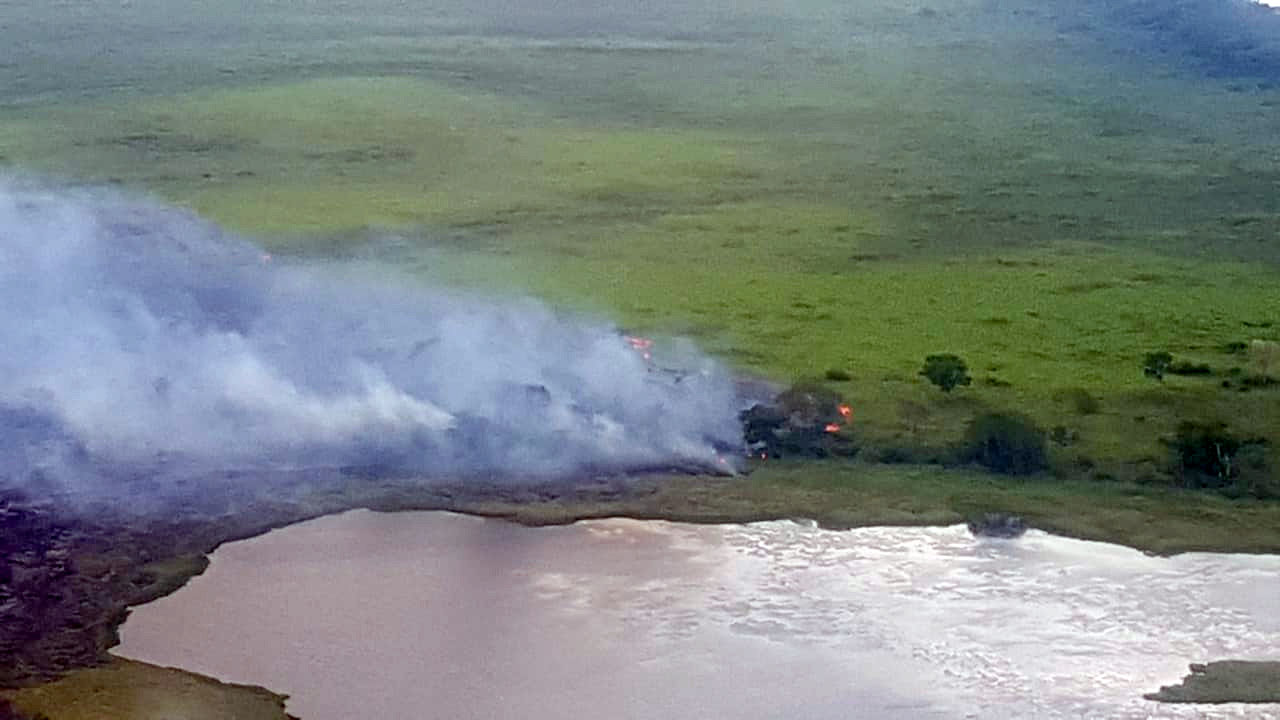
x=946 y=371
x=1155 y=364
x=1258 y=381
x=807 y=419
x=1006 y=443
x=1061 y=435
x=1207 y=455
x=838 y=375
x=1188 y=368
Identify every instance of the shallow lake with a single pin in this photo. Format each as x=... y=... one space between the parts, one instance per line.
x=425 y=615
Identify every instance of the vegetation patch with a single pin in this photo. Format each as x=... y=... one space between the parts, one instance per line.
x=1008 y=444
x=129 y=690
x=946 y=371
x=758 y=223
x=1225 y=681
x=1208 y=455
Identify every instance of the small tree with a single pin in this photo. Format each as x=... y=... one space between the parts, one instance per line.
x=946 y=371
x=1006 y=443
x=1155 y=364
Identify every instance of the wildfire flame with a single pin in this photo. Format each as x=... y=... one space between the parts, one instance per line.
x=845 y=411
x=641 y=345
x=833 y=427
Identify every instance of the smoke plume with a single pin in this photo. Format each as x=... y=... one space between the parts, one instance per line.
x=137 y=336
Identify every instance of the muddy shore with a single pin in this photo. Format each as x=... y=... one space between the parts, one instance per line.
x=68 y=578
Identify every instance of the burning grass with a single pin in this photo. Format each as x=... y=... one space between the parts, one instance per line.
x=724 y=235
x=792 y=213
x=794 y=208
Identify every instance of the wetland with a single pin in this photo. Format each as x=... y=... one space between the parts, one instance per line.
x=809 y=192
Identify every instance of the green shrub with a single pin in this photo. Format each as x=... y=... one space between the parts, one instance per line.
x=1189 y=368
x=1256 y=478
x=1203 y=452
x=838 y=375
x=1207 y=455
x=1155 y=364
x=1006 y=443
x=1062 y=435
x=946 y=371
x=1258 y=381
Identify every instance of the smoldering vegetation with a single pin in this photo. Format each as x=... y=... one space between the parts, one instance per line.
x=141 y=340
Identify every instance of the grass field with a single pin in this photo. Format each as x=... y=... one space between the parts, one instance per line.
x=128 y=690
x=841 y=495
x=1016 y=193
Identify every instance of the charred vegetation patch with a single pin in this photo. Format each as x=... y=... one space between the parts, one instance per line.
x=806 y=420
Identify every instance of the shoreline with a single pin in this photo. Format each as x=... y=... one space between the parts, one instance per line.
x=98 y=569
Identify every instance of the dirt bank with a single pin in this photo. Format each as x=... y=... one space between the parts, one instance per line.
x=67 y=578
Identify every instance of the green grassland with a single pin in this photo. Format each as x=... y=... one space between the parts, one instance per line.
x=129 y=690
x=839 y=494
x=797 y=207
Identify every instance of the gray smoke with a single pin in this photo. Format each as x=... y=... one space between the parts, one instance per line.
x=136 y=336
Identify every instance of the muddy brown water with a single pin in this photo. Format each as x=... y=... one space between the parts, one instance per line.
x=436 y=615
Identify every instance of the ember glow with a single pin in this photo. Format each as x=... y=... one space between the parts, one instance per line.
x=832 y=427
x=642 y=345
x=845 y=411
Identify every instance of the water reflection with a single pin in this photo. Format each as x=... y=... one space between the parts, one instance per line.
x=438 y=615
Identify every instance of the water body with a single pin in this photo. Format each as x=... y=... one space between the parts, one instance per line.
x=426 y=615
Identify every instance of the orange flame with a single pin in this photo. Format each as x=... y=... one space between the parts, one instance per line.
x=845 y=411
x=833 y=428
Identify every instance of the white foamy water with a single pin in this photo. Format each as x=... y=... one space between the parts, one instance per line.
x=425 y=615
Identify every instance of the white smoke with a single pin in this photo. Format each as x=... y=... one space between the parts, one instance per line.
x=136 y=335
